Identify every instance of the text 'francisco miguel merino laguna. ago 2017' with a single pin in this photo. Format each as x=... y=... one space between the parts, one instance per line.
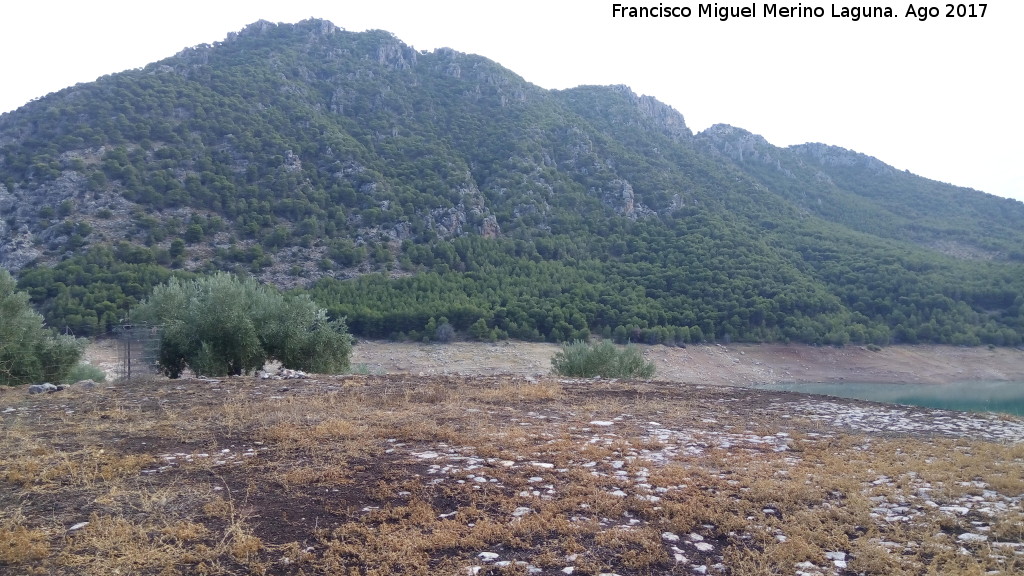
x=725 y=12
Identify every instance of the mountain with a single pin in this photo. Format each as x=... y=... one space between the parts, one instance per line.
x=404 y=189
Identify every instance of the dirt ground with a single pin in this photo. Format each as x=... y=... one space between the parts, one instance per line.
x=485 y=465
x=739 y=364
x=498 y=475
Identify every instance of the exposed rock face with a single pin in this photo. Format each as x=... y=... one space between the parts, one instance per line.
x=16 y=252
x=448 y=222
x=338 y=101
x=324 y=27
x=258 y=27
x=622 y=197
x=835 y=156
x=17 y=245
x=396 y=56
x=664 y=116
x=490 y=228
x=292 y=163
x=677 y=202
x=741 y=145
x=40 y=221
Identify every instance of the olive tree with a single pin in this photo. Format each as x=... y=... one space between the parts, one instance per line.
x=29 y=352
x=222 y=325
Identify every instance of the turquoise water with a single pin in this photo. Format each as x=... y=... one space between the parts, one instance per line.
x=1005 y=397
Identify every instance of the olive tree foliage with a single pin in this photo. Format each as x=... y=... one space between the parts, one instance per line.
x=583 y=360
x=221 y=325
x=29 y=352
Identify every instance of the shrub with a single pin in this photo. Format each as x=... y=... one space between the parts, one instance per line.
x=85 y=372
x=445 y=332
x=29 y=352
x=583 y=360
x=220 y=325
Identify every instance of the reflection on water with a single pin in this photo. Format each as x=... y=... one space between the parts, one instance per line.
x=1006 y=397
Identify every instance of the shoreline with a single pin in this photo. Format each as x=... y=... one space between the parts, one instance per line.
x=734 y=364
x=715 y=364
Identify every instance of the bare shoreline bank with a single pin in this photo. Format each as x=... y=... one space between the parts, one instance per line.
x=735 y=364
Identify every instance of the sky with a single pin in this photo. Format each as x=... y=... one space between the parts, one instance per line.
x=940 y=97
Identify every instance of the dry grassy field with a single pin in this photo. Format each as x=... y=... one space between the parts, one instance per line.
x=492 y=475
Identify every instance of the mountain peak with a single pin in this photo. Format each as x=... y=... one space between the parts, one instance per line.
x=619 y=104
x=739 y=144
x=829 y=155
x=407 y=185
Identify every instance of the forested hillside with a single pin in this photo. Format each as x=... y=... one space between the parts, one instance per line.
x=405 y=190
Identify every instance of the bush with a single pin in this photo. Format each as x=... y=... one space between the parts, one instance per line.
x=220 y=325
x=85 y=372
x=583 y=360
x=29 y=352
x=444 y=333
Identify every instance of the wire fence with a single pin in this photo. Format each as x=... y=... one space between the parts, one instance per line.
x=138 y=349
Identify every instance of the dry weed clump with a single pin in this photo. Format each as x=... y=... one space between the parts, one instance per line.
x=19 y=544
x=118 y=545
x=518 y=391
x=45 y=469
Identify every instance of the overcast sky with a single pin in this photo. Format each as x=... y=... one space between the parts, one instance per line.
x=939 y=97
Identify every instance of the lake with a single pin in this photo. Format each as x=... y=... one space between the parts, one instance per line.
x=1005 y=397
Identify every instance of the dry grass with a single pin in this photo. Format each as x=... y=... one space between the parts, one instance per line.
x=398 y=475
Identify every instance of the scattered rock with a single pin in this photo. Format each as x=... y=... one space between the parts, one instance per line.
x=971 y=538
x=282 y=374
x=45 y=387
x=838 y=559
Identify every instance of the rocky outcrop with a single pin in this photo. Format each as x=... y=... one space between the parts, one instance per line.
x=740 y=145
x=826 y=155
x=621 y=197
x=490 y=228
x=396 y=55
x=665 y=116
x=16 y=248
x=646 y=110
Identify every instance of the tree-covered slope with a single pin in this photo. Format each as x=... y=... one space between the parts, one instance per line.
x=863 y=193
x=404 y=188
